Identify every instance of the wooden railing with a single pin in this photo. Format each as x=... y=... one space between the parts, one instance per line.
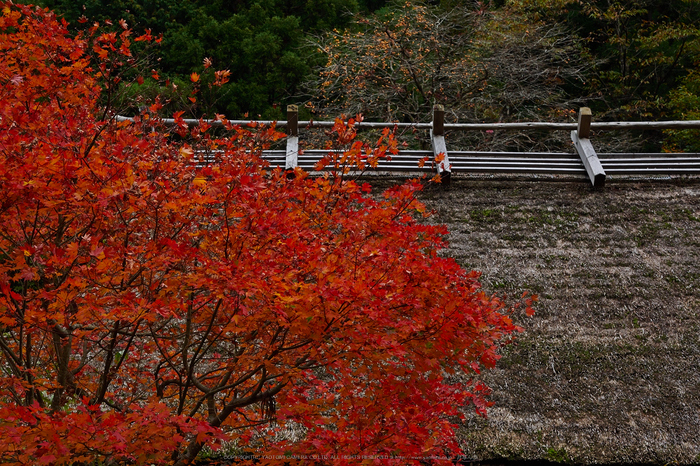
x=585 y=161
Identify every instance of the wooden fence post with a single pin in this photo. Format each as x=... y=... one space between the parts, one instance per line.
x=437 y=136
x=584 y=123
x=292 y=153
x=585 y=150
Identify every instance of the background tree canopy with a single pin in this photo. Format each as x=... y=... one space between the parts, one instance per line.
x=500 y=61
x=481 y=65
x=259 y=41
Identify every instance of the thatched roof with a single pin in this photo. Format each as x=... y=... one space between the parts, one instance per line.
x=608 y=370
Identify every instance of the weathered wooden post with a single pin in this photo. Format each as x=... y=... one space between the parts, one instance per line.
x=437 y=136
x=585 y=150
x=584 y=123
x=292 y=153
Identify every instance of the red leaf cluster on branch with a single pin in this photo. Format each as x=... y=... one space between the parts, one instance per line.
x=150 y=305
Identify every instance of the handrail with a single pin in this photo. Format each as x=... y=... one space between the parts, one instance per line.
x=580 y=136
x=542 y=125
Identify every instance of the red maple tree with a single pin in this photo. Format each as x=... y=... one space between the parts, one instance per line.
x=150 y=305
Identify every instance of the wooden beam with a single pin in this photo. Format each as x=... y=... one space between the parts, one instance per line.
x=292 y=120
x=584 y=123
x=691 y=124
x=590 y=160
x=585 y=150
x=437 y=136
x=439 y=120
x=292 y=153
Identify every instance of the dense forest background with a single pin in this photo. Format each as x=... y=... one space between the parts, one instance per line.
x=505 y=60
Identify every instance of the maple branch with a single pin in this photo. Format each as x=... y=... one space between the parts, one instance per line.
x=84 y=358
x=407 y=58
x=28 y=375
x=208 y=330
x=104 y=376
x=167 y=359
x=190 y=371
x=185 y=347
x=243 y=378
x=12 y=358
x=194 y=447
x=256 y=396
x=62 y=347
x=160 y=387
x=129 y=342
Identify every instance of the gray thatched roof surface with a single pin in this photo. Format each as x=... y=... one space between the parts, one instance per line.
x=608 y=370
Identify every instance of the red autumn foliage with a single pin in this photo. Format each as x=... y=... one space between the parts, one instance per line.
x=150 y=306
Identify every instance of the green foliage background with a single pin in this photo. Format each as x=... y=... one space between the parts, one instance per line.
x=642 y=54
x=260 y=41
